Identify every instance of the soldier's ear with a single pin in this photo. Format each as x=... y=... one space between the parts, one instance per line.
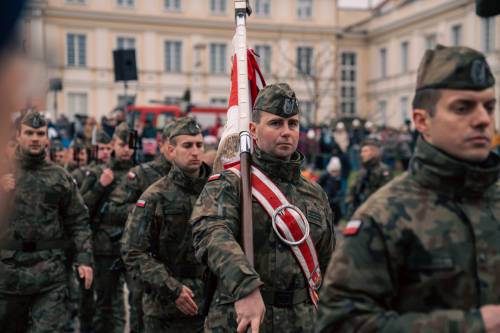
x=421 y=119
x=253 y=130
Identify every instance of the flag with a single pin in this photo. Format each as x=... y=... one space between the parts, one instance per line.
x=228 y=150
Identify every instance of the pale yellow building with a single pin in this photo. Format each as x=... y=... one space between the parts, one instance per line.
x=181 y=44
x=389 y=45
x=353 y=62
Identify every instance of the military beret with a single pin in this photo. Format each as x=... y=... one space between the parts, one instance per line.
x=101 y=137
x=78 y=144
x=56 y=145
x=167 y=129
x=33 y=119
x=371 y=142
x=185 y=126
x=122 y=132
x=458 y=68
x=278 y=99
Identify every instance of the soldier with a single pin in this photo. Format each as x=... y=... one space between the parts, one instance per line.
x=422 y=254
x=98 y=189
x=158 y=238
x=126 y=195
x=373 y=175
x=79 y=166
x=47 y=221
x=274 y=291
x=57 y=153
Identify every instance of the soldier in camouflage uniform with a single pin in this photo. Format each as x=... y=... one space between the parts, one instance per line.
x=126 y=195
x=57 y=153
x=47 y=222
x=98 y=190
x=423 y=253
x=373 y=175
x=158 y=238
x=276 y=280
x=79 y=166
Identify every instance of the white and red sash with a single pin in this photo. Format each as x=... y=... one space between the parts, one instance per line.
x=291 y=224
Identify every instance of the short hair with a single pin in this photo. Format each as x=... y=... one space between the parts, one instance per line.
x=256 y=115
x=426 y=99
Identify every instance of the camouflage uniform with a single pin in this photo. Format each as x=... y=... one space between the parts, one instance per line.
x=216 y=231
x=107 y=229
x=79 y=174
x=48 y=221
x=127 y=193
x=158 y=244
x=370 y=178
x=424 y=255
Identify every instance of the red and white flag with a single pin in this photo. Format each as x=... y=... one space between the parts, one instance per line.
x=227 y=152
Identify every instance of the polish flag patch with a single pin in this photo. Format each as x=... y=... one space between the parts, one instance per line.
x=131 y=175
x=141 y=203
x=214 y=177
x=352 y=228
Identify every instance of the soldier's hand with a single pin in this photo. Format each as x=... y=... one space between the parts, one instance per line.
x=250 y=310
x=491 y=318
x=185 y=302
x=107 y=177
x=8 y=182
x=86 y=274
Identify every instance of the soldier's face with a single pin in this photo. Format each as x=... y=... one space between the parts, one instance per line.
x=104 y=152
x=122 y=150
x=368 y=153
x=187 y=152
x=83 y=157
x=276 y=135
x=463 y=124
x=32 y=140
x=59 y=157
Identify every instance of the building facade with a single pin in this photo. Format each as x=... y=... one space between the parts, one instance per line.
x=181 y=44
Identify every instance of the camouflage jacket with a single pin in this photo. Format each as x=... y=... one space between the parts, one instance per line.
x=370 y=178
x=158 y=241
x=107 y=228
x=139 y=178
x=426 y=255
x=45 y=207
x=216 y=231
x=79 y=174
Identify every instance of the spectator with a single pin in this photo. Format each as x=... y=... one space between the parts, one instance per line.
x=331 y=182
x=341 y=137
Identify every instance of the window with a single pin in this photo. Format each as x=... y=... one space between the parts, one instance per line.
x=218 y=6
x=173 y=100
x=264 y=59
x=125 y=3
x=77 y=104
x=80 y=2
x=304 y=9
x=304 y=60
x=218 y=101
x=262 y=7
x=430 y=41
x=125 y=43
x=76 y=50
x=348 y=83
x=173 y=56
x=383 y=62
x=218 y=58
x=488 y=34
x=307 y=109
x=124 y=100
x=404 y=56
x=173 y=5
x=456 y=35
x=382 y=111
x=404 y=108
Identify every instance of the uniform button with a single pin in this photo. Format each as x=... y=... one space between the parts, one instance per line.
x=482 y=257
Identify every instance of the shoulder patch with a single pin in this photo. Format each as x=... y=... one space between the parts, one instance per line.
x=213 y=177
x=352 y=228
x=141 y=203
x=131 y=175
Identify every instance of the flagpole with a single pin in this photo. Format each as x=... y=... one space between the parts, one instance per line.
x=242 y=10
